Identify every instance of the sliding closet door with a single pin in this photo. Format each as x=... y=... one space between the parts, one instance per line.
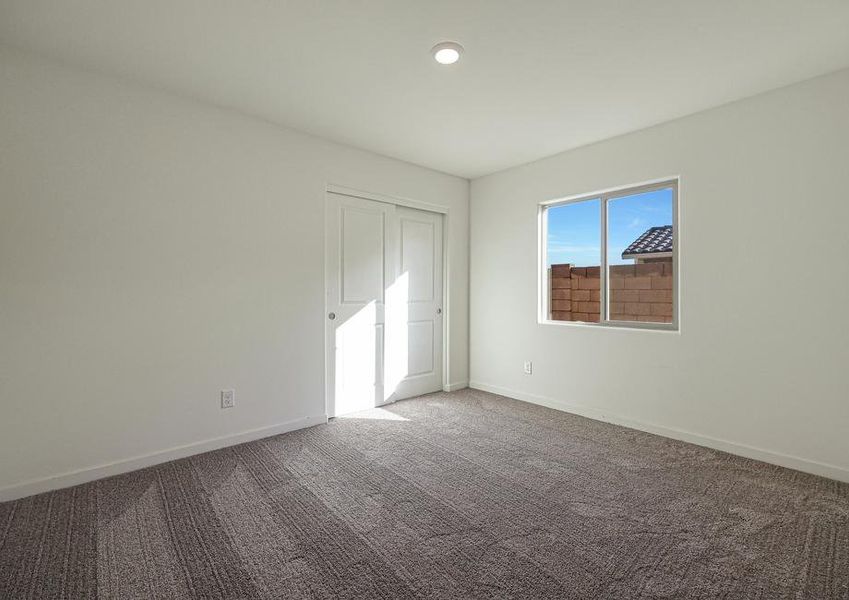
x=414 y=356
x=384 y=313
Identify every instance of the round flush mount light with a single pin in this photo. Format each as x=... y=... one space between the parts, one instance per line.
x=447 y=53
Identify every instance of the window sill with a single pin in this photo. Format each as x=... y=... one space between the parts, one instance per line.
x=622 y=325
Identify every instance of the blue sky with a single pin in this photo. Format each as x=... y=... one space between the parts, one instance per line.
x=573 y=229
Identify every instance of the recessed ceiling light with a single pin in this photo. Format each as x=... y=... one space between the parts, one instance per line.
x=447 y=53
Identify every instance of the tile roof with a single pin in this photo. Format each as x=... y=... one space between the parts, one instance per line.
x=656 y=239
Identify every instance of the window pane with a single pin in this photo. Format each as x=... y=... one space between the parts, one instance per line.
x=573 y=251
x=640 y=258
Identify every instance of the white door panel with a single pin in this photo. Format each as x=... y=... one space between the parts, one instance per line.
x=420 y=358
x=361 y=252
x=419 y=256
x=384 y=292
x=357 y=272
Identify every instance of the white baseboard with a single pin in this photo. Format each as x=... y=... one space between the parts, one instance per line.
x=46 y=484
x=453 y=387
x=768 y=456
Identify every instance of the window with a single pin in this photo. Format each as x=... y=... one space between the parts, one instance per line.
x=611 y=258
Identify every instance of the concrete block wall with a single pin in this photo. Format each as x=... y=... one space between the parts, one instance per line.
x=637 y=293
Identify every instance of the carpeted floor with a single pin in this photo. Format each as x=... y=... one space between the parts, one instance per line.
x=462 y=495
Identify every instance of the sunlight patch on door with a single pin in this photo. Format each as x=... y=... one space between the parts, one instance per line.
x=356 y=358
x=396 y=346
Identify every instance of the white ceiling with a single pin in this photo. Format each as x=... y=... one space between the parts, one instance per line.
x=538 y=77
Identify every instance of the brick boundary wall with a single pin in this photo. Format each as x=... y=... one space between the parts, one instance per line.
x=637 y=293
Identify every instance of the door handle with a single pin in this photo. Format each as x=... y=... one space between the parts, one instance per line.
x=331 y=316
x=439 y=311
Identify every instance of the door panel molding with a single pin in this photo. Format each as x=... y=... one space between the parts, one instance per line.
x=343 y=289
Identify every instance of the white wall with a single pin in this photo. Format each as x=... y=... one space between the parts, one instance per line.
x=759 y=368
x=154 y=250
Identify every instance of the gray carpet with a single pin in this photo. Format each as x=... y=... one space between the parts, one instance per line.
x=462 y=495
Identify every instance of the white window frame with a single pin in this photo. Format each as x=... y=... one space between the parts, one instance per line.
x=604 y=197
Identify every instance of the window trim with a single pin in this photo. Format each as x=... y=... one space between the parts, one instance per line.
x=604 y=197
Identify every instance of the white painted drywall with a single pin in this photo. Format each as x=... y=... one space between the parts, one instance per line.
x=154 y=250
x=760 y=364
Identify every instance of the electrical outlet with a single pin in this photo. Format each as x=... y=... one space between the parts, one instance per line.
x=529 y=367
x=228 y=398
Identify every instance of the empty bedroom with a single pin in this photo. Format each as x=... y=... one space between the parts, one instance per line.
x=477 y=299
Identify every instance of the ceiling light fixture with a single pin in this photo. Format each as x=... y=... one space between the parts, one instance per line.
x=447 y=53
